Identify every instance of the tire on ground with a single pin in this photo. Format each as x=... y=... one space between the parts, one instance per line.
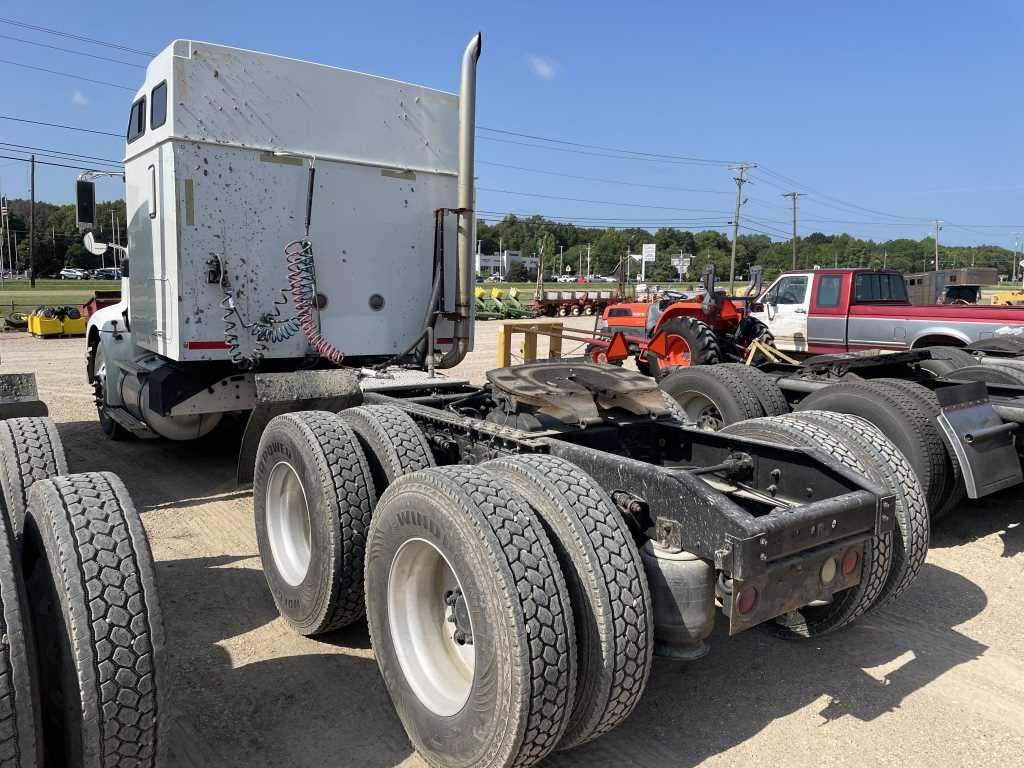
x=393 y=443
x=607 y=588
x=994 y=373
x=712 y=396
x=954 y=490
x=945 y=360
x=452 y=546
x=698 y=336
x=884 y=464
x=313 y=494
x=21 y=738
x=99 y=630
x=813 y=621
x=773 y=401
x=901 y=417
x=30 y=450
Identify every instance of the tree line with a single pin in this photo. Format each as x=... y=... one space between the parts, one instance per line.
x=609 y=245
x=58 y=241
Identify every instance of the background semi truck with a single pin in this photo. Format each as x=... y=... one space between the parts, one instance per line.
x=520 y=549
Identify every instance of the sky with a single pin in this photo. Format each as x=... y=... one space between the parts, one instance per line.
x=885 y=116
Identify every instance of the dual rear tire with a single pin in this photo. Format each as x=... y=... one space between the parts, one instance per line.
x=507 y=602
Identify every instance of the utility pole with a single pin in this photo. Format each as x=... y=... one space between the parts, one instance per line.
x=741 y=171
x=938 y=228
x=1013 y=261
x=32 y=224
x=588 y=258
x=561 y=265
x=793 y=196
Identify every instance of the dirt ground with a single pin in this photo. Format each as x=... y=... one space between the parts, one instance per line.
x=936 y=679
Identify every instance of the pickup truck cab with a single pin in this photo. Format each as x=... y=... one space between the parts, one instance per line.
x=827 y=311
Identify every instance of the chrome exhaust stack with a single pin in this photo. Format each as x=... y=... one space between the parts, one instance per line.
x=463 y=330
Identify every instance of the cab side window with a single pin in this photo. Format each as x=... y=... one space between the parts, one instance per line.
x=137 y=120
x=792 y=289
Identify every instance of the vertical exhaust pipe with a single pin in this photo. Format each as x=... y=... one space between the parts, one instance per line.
x=463 y=331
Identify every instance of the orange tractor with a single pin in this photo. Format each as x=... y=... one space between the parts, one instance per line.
x=679 y=330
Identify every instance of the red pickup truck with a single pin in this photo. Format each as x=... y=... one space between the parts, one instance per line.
x=824 y=311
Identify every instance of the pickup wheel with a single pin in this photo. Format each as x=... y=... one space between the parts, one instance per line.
x=470 y=619
x=393 y=443
x=712 y=396
x=607 y=588
x=954 y=490
x=92 y=587
x=689 y=342
x=945 y=360
x=30 y=450
x=312 y=496
x=816 y=620
x=991 y=374
x=883 y=463
x=901 y=417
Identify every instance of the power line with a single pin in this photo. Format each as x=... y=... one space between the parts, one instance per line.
x=599 y=202
x=41 y=162
x=605 y=181
x=74 y=155
x=65 y=74
x=653 y=155
x=61 y=125
x=80 y=38
x=69 y=50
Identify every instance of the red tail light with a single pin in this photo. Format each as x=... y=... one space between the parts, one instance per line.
x=747 y=599
x=850 y=562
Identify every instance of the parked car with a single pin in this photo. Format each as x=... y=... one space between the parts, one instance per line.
x=73 y=273
x=495 y=278
x=567 y=278
x=107 y=273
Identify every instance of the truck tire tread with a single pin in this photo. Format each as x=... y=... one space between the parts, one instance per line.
x=607 y=587
x=393 y=443
x=30 y=450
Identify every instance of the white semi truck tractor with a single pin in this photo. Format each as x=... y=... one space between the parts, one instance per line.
x=300 y=251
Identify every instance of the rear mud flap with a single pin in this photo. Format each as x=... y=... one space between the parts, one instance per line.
x=984 y=444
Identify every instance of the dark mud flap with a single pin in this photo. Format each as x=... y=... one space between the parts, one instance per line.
x=984 y=444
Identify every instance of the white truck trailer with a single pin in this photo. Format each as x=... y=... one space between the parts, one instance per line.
x=301 y=251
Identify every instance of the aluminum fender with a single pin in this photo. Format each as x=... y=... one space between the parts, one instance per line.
x=939 y=330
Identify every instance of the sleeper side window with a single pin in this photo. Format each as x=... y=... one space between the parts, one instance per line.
x=137 y=120
x=158 y=108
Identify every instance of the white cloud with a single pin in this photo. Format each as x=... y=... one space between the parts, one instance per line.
x=541 y=67
x=78 y=98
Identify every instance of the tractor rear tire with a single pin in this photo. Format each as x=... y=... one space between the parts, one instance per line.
x=313 y=495
x=954 y=491
x=691 y=342
x=607 y=588
x=884 y=464
x=99 y=628
x=945 y=360
x=470 y=620
x=712 y=396
x=21 y=735
x=848 y=605
x=393 y=443
x=30 y=450
x=901 y=417
x=991 y=374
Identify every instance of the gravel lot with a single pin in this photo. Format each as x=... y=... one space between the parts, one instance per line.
x=936 y=679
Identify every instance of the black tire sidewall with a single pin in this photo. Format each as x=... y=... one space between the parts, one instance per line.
x=466 y=737
x=721 y=395
x=305 y=604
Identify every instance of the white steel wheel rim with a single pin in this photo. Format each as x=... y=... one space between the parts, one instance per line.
x=438 y=669
x=288 y=523
x=701 y=411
